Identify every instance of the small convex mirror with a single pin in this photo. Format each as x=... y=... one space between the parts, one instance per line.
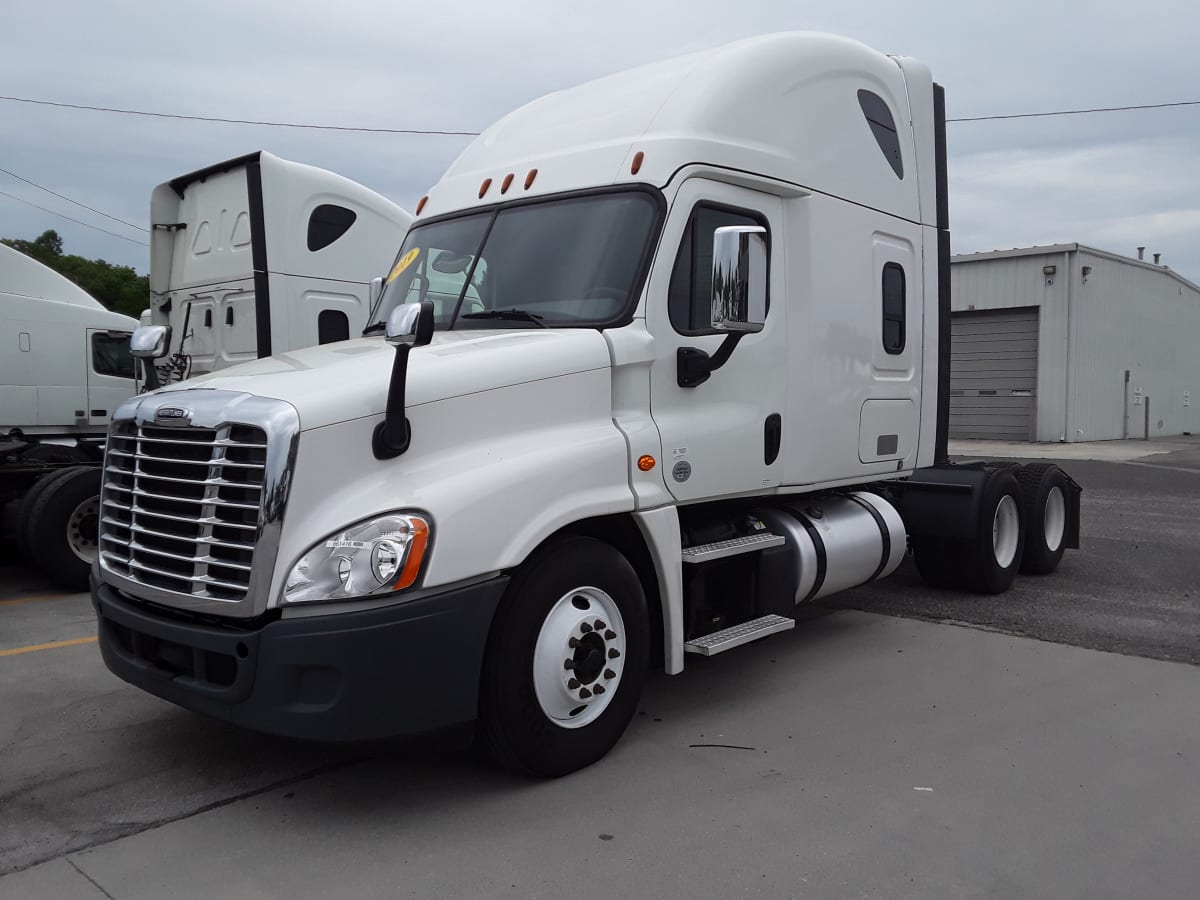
x=410 y=323
x=150 y=341
x=739 y=278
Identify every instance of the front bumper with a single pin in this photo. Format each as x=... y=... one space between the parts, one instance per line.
x=402 y=669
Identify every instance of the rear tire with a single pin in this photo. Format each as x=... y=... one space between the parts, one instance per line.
x=566 y=659
x=994 y=556
x=63 y=527
x=25 y=507
x=1044 y=492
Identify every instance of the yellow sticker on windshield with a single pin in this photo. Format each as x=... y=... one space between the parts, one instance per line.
x=405 y=261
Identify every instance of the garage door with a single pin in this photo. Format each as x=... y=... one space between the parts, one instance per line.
x=993 y=374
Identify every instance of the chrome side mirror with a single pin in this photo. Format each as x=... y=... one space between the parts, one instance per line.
x=150 y=341
x=739 y=279
x=375 y=292
x=410 y=323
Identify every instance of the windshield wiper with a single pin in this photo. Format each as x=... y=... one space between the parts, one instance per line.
x=374 y=329
x=510 y=315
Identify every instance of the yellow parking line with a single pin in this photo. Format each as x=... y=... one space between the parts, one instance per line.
x=53 y=645
x=33 y=598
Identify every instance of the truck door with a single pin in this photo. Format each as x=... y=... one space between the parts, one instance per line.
x=722 y=437
x=109 y=373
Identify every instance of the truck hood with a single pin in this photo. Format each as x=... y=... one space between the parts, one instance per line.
x=349 y=380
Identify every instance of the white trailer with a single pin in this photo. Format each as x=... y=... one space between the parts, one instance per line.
x=665 y=356
x=250 y=256
x=65 y=367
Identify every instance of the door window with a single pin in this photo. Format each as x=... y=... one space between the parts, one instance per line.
x=689 y=296
x=111 y=356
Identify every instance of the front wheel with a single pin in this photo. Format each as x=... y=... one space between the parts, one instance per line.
x=566 y=659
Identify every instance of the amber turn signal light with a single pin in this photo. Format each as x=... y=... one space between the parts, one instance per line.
x=646 y=462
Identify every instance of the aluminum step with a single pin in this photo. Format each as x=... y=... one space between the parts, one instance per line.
x=736 y=635
x=720 y=549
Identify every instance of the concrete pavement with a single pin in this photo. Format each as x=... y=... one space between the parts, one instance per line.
x=859 y=755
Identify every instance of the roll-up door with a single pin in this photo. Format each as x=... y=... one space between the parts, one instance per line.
x=993 y=374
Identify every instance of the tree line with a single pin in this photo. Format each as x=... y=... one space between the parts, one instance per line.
x=118 y=288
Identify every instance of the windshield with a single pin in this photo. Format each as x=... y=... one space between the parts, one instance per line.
x=574 y=261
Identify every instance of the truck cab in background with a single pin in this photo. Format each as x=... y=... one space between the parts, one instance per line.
x=664 y=356
x=259 y=255
x=251 y=256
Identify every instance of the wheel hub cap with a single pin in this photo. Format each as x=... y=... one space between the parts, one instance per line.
x=579 y=657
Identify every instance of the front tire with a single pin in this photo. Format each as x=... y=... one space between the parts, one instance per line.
x=566 y=659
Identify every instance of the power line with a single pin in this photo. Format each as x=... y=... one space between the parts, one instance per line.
x=162 y=115
x=69 y=219
x=69 y=200
x=428 y=131
x=1076 y=112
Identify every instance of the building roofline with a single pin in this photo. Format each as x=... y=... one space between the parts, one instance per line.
x=1051 y=249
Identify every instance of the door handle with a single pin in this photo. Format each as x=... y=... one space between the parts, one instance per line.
x=772 y=437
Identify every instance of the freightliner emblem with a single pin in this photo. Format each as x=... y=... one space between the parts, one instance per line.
x=173 y=412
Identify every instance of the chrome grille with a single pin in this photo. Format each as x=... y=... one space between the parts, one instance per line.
x=181 y=506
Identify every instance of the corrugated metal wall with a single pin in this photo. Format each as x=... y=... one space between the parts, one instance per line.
x=1126 y=315
x=1007 y=282
x=1135 y=317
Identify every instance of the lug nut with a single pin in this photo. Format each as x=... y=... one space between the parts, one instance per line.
x=609 y=635
x=573 y=643
x=585 y=694
x=613 y=653
x=610 y=674
x=585 y=628
x=572 y=684
x=600 y=626
x=598 y=689
x=568 y=664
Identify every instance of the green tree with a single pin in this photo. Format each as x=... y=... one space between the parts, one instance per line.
x=118 y=288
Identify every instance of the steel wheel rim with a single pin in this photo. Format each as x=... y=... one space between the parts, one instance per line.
x=1006 y=529
x=1054 y=523
x=579 y=657
x=83 y=527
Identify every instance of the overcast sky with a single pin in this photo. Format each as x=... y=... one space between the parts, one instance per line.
x=1115 y=180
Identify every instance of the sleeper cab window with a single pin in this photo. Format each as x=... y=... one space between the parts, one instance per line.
x=883 y=126
x=894 y=308
x=327 y=223
x=333 y=325
x=689 y=296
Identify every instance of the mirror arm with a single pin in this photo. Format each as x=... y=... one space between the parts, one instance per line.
x=694 y=366
x=393 y=435
x=151 y=373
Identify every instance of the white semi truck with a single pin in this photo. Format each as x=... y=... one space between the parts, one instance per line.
x=65 y=366
x=250 y=256
x=663 y=357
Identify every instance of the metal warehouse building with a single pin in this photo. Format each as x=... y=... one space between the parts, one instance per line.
x=1070 y=343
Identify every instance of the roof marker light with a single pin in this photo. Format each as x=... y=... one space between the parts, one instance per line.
x=637 y=162
x=421 y=203
x=504 y=185
x=483 y=188
x=529 y=178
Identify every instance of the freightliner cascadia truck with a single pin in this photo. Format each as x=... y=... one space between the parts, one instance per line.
x=662 y=358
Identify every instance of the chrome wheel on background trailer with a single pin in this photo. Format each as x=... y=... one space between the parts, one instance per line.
x=1044 y=490
x=62 y=526
x=565 y=660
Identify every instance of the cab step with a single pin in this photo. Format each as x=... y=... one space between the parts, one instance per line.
x=736 y=635
x=702 y=553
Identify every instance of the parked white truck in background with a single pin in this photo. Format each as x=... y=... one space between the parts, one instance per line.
x=250 y=256
x=64 y=368
x=666 y=355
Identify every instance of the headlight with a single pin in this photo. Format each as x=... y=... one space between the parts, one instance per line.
x=377 y=556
